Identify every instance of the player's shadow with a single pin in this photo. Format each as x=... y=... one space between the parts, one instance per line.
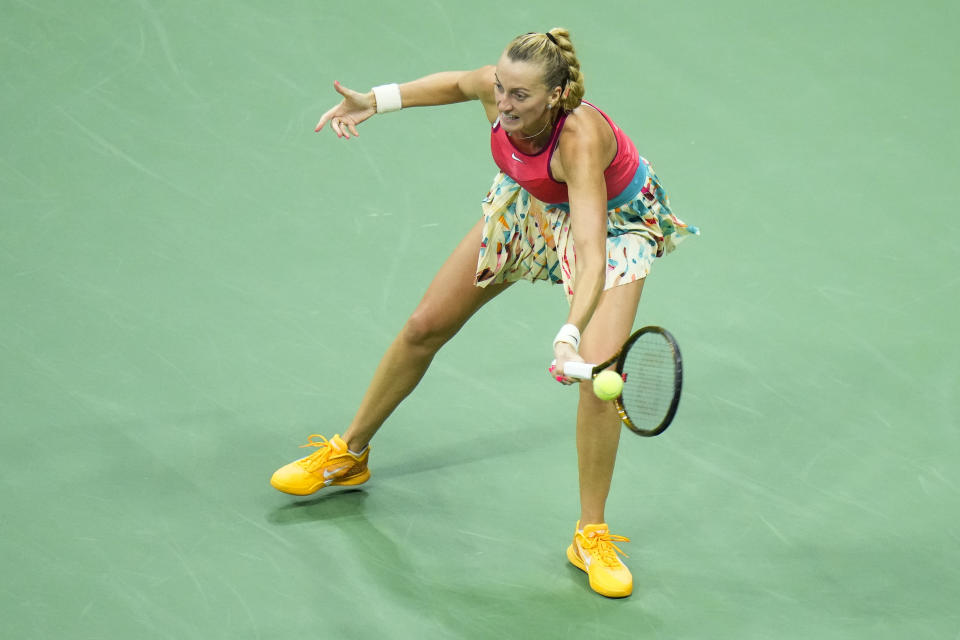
x=335 y=503
x=465 y=451
x=342 y=504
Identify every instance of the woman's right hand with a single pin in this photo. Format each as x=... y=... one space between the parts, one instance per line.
x=563 y=353
x=352 y=110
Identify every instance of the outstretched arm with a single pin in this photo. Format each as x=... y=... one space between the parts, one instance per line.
x=447 y=87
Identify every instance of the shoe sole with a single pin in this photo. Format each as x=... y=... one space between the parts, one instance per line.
x=352 y=481
x=576 y=561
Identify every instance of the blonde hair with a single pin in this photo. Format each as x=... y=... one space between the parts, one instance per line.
x=555 y=52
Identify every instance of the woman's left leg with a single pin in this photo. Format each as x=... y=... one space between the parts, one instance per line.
x=598 y=424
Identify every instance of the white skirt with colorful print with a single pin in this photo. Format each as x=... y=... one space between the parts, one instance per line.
x=525 y=239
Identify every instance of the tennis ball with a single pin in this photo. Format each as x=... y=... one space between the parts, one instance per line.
x=607 y=385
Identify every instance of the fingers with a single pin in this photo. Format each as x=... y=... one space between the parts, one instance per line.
x=326 y=117
x=330 y=115
x=343 y=127
x=557 y=374
x=563 y=354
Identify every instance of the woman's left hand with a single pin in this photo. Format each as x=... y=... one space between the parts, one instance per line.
x=563 y=353
x=352 y=110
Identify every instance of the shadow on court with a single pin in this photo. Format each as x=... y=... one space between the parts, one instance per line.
x=479 y=448
x=336 y=505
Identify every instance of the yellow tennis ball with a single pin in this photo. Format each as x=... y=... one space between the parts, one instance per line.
x=607 y=385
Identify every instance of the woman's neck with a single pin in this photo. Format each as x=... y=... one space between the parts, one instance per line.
x=537 y=142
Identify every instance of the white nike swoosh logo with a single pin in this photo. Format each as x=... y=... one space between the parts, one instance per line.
x=586 y=557
x=517 y=159
x=332 y=473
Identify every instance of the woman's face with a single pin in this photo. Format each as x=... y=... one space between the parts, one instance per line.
x=521 y=96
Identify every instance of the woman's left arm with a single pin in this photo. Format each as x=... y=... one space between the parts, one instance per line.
x=583 y=162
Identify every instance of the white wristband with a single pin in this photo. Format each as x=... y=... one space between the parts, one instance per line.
x=388 y=98
x=570 y=334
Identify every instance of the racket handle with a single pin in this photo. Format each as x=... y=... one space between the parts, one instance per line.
x=579 y=370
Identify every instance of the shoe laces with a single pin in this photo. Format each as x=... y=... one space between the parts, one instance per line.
x=317 y=458
x=601 y=543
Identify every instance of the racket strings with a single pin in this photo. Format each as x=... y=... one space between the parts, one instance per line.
x=650 y=387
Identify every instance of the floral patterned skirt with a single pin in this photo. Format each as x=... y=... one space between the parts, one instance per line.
x=525 y=239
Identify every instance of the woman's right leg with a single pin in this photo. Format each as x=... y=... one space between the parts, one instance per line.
x=451 y=299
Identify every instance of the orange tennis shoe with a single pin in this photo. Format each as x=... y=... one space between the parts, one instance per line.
x=593 y=551
x=331 y=464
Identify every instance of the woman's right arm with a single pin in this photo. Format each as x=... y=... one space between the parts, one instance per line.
x=447 y=87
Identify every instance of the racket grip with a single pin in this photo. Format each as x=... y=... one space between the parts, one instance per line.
x=579 y=370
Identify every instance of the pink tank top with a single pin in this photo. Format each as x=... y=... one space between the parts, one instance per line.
x=532 y=172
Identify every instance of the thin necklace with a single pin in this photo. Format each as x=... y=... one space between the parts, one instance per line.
x=549 y=122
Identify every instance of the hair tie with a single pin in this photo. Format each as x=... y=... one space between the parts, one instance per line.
x=552 y=39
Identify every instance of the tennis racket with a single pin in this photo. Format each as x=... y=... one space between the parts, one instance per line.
x=652 y=370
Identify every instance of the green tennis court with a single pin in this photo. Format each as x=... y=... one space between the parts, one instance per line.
x=192 y=282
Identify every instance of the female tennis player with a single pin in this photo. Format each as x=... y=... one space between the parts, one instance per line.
x=573 y=204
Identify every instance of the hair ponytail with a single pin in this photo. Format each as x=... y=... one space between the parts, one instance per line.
x=574 y=90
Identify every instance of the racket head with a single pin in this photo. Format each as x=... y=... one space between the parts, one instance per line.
x=652 y=367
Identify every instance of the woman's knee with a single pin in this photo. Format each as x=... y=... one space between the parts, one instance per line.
x=427 y=330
